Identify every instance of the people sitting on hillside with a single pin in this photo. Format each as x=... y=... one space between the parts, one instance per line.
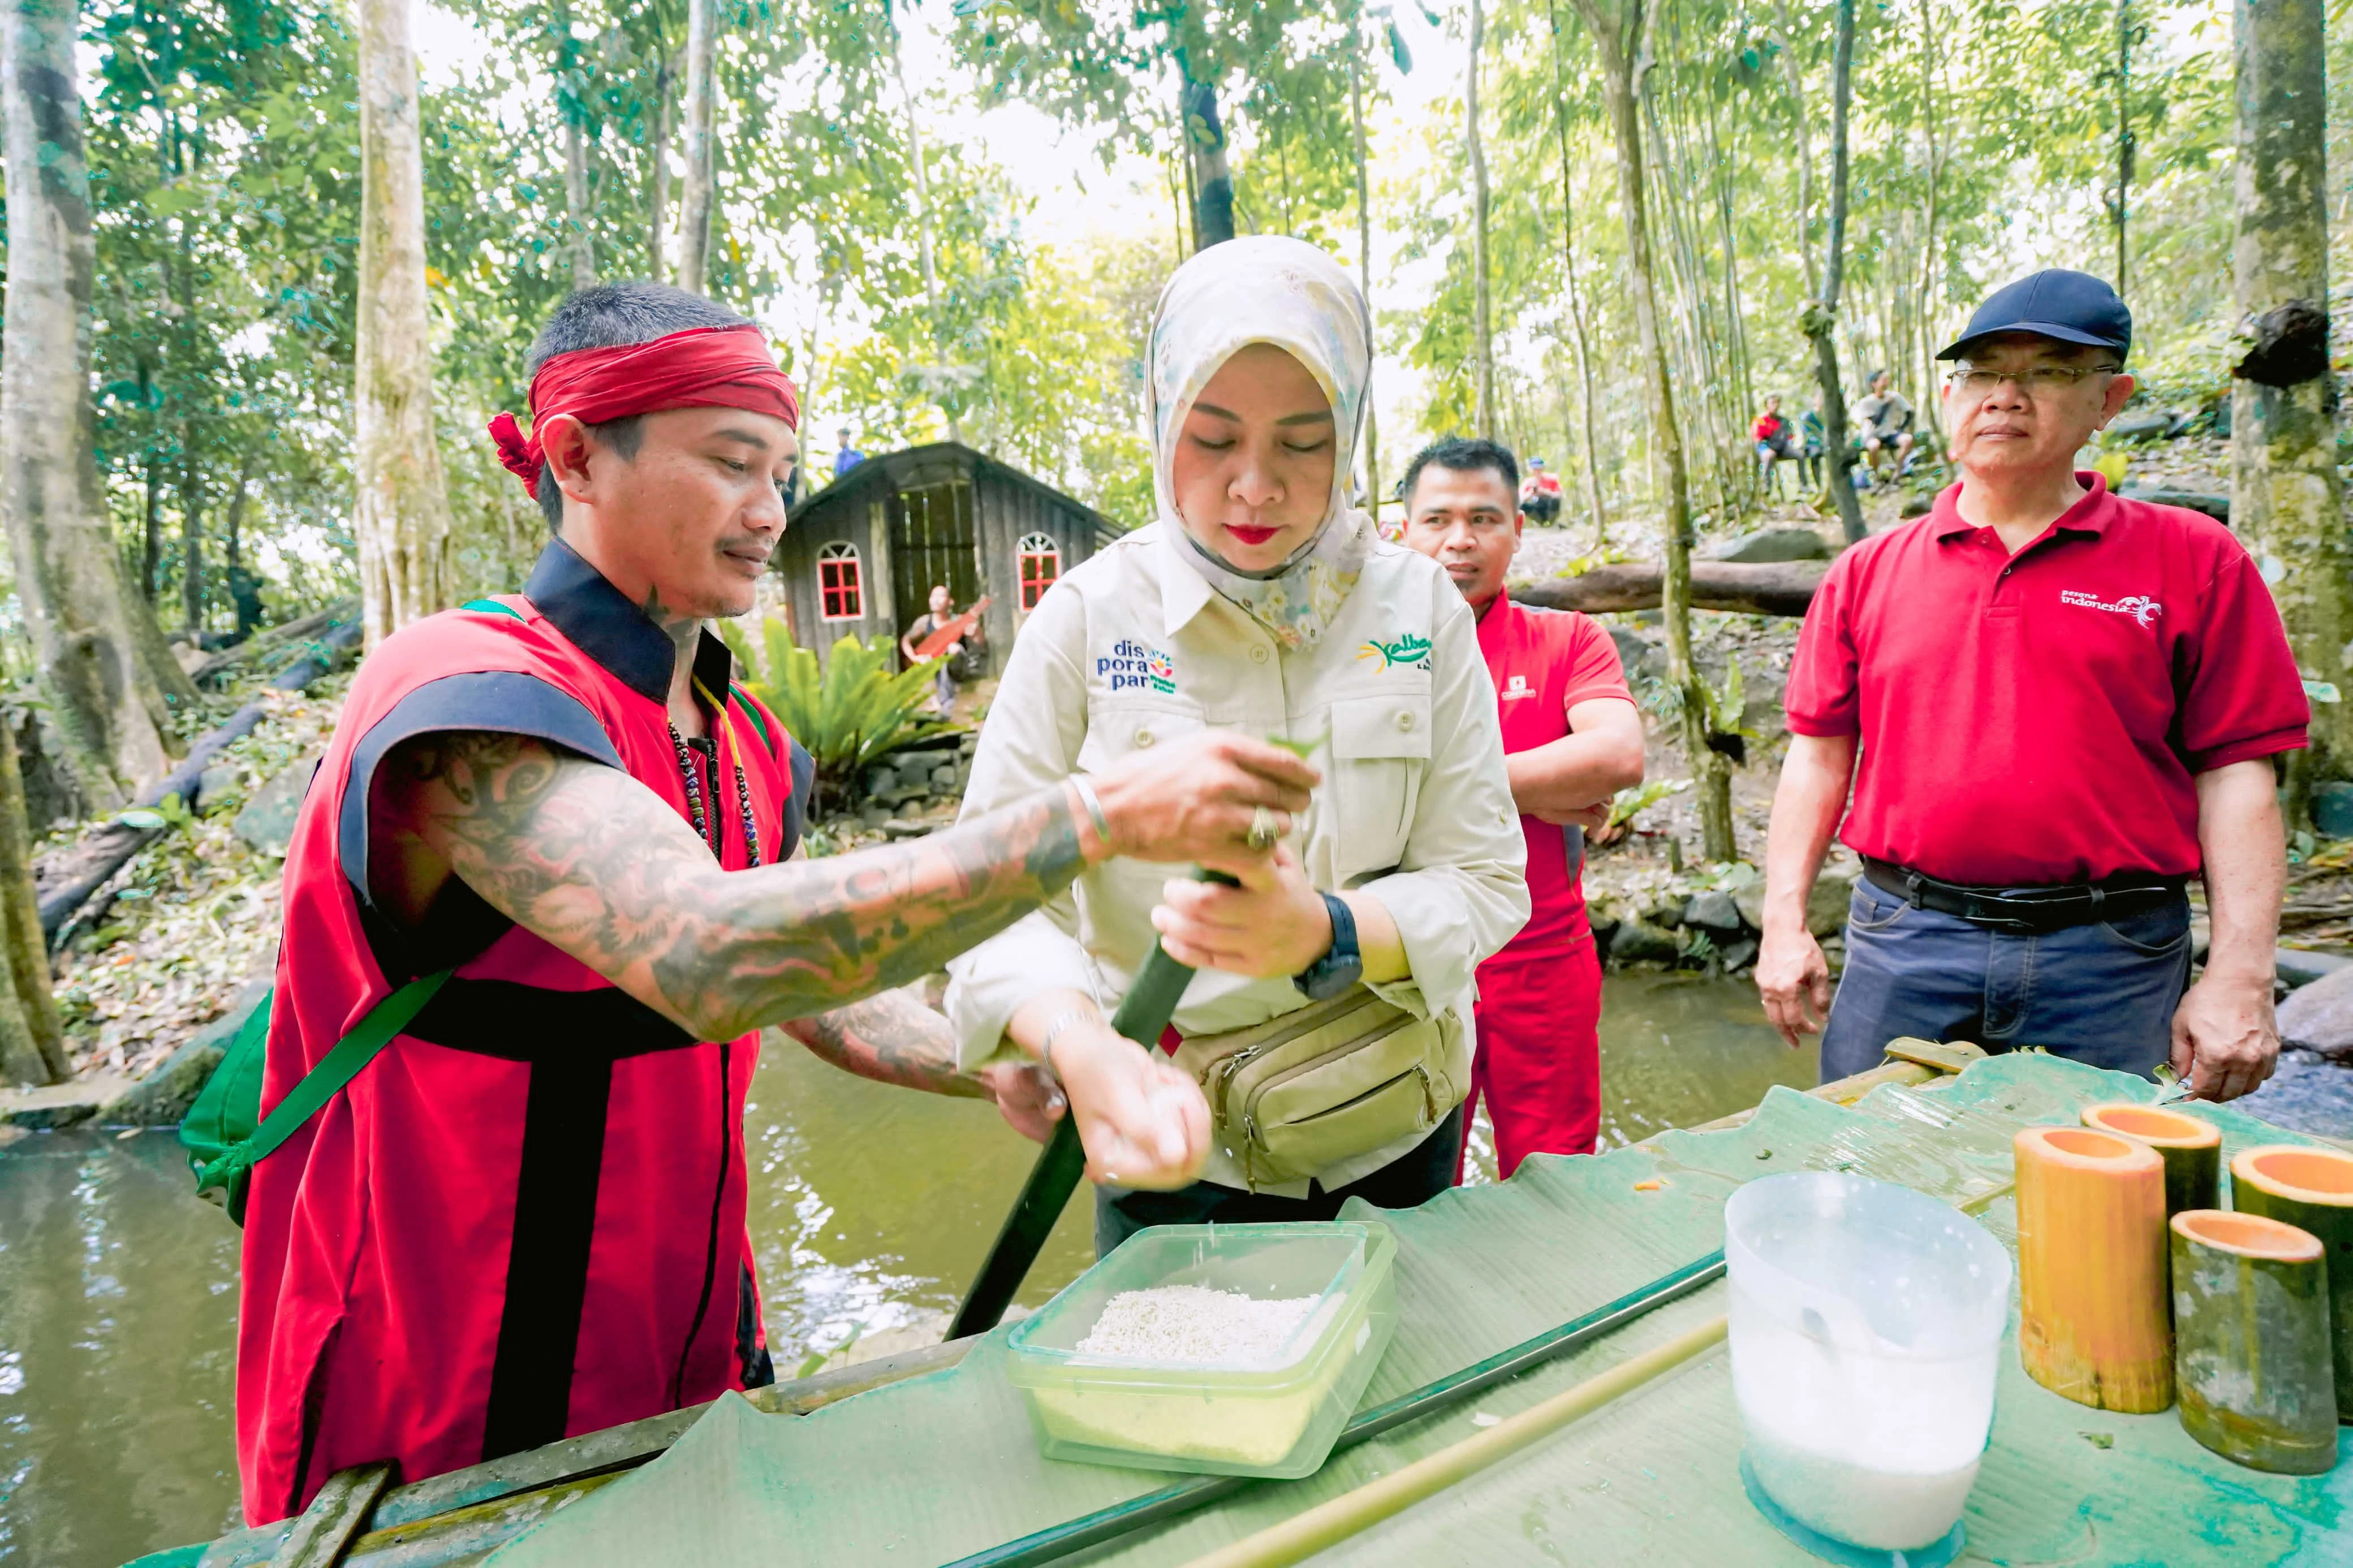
x=1540 y=493
x=1775 y=438
x=1883 y=420
x=1812 y=443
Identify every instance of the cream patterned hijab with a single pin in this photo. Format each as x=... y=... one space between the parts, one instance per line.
x=1266 y=290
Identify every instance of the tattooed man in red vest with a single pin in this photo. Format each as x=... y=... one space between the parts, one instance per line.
x=526 y=1217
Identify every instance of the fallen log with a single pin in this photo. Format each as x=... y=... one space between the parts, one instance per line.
x=1775 y=588
x=67 y=879
x=274 y=641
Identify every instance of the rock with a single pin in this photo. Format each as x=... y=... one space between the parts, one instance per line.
x=1638 y=940
x=56 y=1105
x=2319 y=1017
x=2295 y=966
x=944 y=779
x=2141 y=424
x=216 y=786
x=1826 y=909
x=2307 y=1093
x=1665 y=911
x=1918 y=506
x=2332 y=810
x=267 y=823
x=1716 y=911
x=1738 y=955
x=1771 y=544
x=2214 y=506
x=1636 y=651
x=161 y=1098
x=874 y=814
x=1750 y=901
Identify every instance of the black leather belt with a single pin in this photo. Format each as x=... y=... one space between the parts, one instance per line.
x=2054 y=908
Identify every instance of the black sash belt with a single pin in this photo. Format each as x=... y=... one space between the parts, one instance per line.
x=2029 y=909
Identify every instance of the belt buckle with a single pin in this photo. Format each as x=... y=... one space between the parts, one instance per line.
x=1981 y=913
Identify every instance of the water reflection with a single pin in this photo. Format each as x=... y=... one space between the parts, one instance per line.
x=871 y=1208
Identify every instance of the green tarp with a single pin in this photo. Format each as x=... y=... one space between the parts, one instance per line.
x=919 y=1473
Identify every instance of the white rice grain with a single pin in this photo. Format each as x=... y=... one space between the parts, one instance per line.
x=1192 y=1323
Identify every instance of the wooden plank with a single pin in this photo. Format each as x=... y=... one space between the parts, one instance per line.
x=333 y=1518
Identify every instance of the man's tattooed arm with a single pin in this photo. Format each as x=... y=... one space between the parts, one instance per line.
x=601 y=867
x=892 y=1038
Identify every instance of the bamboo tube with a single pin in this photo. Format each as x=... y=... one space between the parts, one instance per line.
x=2092 y=1295
x=2192 y=1150
x=2311 y=1189
x=1305 y=1534
x=2251 y=1352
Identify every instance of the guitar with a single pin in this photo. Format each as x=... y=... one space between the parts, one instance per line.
x=947 y=632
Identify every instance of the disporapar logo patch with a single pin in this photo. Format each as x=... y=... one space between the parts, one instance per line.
x=1132 y=667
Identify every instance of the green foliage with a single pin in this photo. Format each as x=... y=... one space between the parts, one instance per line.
x=1634 y=799
x=860 y=707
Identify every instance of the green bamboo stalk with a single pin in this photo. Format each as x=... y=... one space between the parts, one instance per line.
x=2312 y=1189
x=2192 y=1150
x=2250 y=1342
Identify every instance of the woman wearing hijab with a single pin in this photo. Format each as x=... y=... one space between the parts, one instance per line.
x=1325 y=1042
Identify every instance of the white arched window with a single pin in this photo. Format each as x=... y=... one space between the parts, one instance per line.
x=841 y=595
x=1041 y=563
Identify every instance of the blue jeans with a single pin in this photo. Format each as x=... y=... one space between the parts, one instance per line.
x=2102 y=994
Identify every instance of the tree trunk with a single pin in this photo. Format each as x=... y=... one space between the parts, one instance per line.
x=1797 y=75
x=1213 y=181
x=29 y=1002
x=923 y=240
x=576 y=201
x=1930 y=97
x=1364 y=255
x=657 y=192
x=151 y=543
x=1775 y=588
x=1576 y=298
x=107 y=708
x=2125 y=142
x=701 y=152
x=400 y=504
x=1482 y=327
x=191 y=540
x=2285 y=501
x=1623 y=54
x=1820 y=318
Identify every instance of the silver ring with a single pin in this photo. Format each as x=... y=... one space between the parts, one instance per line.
x=1262 y=830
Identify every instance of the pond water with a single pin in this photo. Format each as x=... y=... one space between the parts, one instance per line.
x=871 y=1208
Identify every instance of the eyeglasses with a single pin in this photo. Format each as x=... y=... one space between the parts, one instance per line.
x=2038 y=381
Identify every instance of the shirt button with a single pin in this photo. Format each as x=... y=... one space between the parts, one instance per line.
x=1144 y=737
x=1405 y=720
x=1258 y=653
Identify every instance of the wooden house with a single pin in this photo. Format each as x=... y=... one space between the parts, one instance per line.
x=860 y=556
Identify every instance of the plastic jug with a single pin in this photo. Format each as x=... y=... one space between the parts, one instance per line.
x=1866 y=1324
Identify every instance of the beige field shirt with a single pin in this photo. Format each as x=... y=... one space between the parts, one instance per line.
x=1132 y=650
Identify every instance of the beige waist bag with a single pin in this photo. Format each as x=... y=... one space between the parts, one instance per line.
x=1300 y=1093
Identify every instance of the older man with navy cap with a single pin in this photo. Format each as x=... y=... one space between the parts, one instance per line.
x=2066 y=704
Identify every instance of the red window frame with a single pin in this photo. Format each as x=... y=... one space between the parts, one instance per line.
x=840 y=585
x=1041 y=567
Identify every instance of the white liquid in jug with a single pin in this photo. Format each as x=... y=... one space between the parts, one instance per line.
x=1846 y=1501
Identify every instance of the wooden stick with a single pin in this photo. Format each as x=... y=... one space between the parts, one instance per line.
x=1305 y=1534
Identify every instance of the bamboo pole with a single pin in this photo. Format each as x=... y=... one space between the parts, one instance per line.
x=2192 y=1150
x=1305 y=1534
x=2311 y=1189
x=2091 y=1293
x=2252 y=1355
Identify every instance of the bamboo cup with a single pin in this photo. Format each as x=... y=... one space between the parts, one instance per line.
x=2092 y=1311
x=2192 y=1150
x=2311 y=1189
x=2251 y=1352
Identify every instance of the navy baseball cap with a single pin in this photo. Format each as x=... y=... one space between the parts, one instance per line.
x=2072 y=307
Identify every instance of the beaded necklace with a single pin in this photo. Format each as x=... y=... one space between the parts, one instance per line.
x=690 y=768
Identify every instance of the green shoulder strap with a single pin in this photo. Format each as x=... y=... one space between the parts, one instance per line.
x=491 y=607
x=752 y=711
x=322 y=1082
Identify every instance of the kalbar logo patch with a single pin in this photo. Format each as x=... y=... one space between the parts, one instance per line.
x=1406 y=650
x=2143 y=610
x=1132 y=667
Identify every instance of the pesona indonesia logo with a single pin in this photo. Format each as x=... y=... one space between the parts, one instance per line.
x=1132 y=667
x=1517 y=687
x=2143 y=610
x=1406 y=650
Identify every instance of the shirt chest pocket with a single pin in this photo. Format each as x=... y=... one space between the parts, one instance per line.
x=1380 y=750
x=1116 y=729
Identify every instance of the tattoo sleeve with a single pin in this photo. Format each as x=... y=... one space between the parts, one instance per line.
x=890 y=1038
x=602 y=868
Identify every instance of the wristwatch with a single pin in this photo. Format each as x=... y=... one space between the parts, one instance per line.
x=1342 y=965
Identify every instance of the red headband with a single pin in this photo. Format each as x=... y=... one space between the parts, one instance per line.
x=703 y=367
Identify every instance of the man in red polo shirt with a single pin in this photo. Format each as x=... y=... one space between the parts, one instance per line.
x=526 y=1217
x=2067 y=704
x=1572 y=738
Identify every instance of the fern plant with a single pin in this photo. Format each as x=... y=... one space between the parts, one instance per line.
x=860 y=706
